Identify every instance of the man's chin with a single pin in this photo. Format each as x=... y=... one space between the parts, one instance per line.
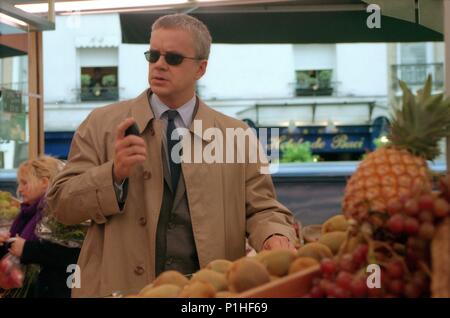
x=160 y=91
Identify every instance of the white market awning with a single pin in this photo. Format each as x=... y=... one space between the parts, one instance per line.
x=108 y=41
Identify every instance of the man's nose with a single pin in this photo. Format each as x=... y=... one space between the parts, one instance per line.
x=161 y=63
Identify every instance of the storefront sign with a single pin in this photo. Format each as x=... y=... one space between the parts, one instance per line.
x=337 y=143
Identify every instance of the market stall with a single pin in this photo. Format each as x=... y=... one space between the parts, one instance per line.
x=392 y=238
x=395 y=216
x=397 y=221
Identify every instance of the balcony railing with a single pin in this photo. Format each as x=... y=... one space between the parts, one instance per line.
x=100 y=93
x=415 y=75
x=319 y=91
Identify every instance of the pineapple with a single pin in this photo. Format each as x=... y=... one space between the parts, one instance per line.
x=396 y=170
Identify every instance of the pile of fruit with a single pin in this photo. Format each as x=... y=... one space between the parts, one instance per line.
x=9 y=207
x=397 y=242
x=394 y=204
x=223 y=278
x=385 y=242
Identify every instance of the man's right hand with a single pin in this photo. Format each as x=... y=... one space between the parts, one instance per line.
x=128 y=151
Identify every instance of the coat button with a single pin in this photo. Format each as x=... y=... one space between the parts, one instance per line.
x=147 y=175
x=142 y=221
x=99 y=217
x=139 y=270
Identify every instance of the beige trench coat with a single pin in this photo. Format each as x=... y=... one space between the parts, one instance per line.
x=226 y=201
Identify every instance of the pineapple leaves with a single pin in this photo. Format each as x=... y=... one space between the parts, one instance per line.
x=424 y=93
x=421 y=121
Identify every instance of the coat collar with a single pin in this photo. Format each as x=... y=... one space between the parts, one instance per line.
x=143 y=114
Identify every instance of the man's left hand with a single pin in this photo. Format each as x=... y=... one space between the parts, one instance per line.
x=278 y=241
x=17 y=247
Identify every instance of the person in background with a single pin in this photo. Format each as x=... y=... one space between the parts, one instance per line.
x=96 y=83
x=34 y=177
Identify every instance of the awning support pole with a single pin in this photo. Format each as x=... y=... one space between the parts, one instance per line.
x=447 y=65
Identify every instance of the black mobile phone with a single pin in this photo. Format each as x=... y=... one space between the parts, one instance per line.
x=132 y=130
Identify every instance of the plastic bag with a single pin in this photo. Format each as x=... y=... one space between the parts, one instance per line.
x=66 y=235
x=11 y=273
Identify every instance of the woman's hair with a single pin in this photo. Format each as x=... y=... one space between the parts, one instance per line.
x=199 y=31
x=42 y=167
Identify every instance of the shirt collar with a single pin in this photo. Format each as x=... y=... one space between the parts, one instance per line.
x=186 y=111
x=144 y=114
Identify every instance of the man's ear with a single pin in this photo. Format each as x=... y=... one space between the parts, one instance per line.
x=201 y=69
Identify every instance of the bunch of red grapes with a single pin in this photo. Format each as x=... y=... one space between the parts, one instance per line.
x=347 y=276
x=416 y=215
x=402 y=250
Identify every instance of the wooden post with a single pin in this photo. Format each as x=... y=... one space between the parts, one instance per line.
x=447 y=65
x=35 y=90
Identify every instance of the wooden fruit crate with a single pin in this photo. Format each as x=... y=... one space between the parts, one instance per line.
x=292 y=286
x=440 y=253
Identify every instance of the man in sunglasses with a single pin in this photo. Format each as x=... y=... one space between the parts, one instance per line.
x=149 y=212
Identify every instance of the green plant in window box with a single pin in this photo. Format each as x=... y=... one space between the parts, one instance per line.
x=109 y=80
x=297 y=152
x=85 y=80
x=325 y=78
x=303 y=80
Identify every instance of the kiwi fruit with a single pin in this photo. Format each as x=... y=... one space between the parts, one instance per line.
x=225 y=294
x=171 y=277
x=217 y=280
x=219 y=265
x=315 y=250
x=258 y=257
x=333 y=240
x=302 y=263
x=161 y=291
x=273 y=278
x=246 y=273
x=278 y=261
x=335 y=223
x=198 y=289
x=352 y=243
x=133 y=296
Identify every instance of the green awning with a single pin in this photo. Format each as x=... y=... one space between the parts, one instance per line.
x=288 y=27
x=6 y=51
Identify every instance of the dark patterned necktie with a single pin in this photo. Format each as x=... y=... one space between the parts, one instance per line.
x=175 y=168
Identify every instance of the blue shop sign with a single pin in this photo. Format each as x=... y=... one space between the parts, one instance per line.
x=327 y=143
x=339 y=139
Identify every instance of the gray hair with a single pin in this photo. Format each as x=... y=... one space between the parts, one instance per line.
x=199 y=31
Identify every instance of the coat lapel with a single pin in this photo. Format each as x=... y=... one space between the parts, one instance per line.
x=142 y=112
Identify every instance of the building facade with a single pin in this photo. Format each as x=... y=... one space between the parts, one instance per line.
x=313 y=88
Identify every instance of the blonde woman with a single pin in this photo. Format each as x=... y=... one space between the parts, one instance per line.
x=34 y=178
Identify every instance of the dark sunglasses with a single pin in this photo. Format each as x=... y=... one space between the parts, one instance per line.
x=171 y=58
